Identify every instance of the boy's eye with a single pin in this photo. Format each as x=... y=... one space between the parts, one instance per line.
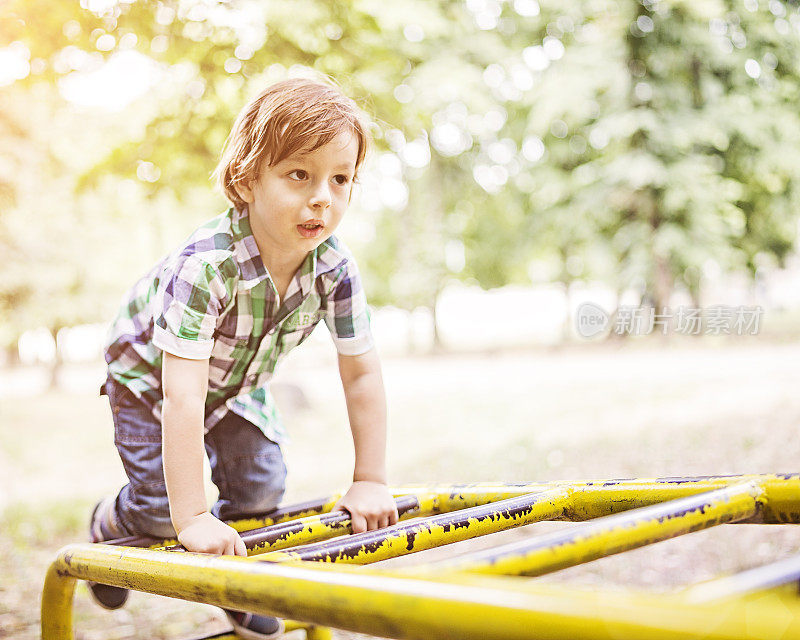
x=298 y=174
x=341 y=179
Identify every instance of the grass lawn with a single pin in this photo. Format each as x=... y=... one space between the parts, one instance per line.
x=641 y=409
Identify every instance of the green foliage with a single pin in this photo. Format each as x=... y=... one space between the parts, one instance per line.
x=630 y=142
x=35 y=526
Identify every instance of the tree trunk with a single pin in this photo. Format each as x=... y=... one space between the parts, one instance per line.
x=56 y=364
x=438 y=346
x=662 y=282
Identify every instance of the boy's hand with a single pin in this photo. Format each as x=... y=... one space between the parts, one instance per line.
x=204 y=533
x=370 y=505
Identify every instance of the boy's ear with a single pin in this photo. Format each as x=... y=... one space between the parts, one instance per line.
x=245 y=192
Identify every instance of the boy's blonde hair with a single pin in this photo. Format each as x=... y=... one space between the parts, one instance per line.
x=287 y=117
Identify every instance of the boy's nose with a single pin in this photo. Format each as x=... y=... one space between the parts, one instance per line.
x=321 y=198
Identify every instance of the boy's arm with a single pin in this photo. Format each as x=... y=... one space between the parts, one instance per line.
x=185 y=383
x=368 y=500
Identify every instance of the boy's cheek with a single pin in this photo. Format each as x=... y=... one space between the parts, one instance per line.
x=334 y=222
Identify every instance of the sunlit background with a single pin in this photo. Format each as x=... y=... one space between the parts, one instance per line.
x=532 y=160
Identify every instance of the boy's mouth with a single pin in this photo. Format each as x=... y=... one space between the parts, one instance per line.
x=311 y=228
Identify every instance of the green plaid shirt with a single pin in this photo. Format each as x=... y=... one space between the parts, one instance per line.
x=213 y=298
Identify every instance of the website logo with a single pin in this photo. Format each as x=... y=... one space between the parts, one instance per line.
x=590 y=320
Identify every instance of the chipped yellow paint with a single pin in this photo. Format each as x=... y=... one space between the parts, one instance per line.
x=400 y=606
x=591 y=499
x=458 y=598
x=597 y=498
x=447 y=498
x=314 y=530
x=57 y=595
x=614 y=534
x=779 y=502
x=411 y=538
x=246 y=524
x=169 y=542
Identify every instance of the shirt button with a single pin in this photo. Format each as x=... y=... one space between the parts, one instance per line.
x=252 y=379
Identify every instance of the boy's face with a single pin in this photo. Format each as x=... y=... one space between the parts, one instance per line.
x=297 y=204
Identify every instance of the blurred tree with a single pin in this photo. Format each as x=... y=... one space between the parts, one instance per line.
x=714 y=119
x=633 y=142
x=57 y=271
x=670 y=140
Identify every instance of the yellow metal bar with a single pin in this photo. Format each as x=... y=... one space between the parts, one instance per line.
x=57 y=595
x=313 y=632
x=446 y=602
x=779 y=501
x=276 y=516
x=311 y=529
x=596 y=498
x=436 y=531
x=612 y=534
x=774 y=575
x=287 y=513
x=397 y=606
x=290 y=532
x=591 y=499
x=308 y=530
x=447 y=498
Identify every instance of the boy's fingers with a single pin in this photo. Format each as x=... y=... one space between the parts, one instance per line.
x=240 y=548
x=393 y=517
x=383 y=521
x=340 y=507
x=359 y=523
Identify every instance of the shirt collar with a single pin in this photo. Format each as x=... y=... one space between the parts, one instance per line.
x=321 y=260
x=245 y=249
x=325 y=258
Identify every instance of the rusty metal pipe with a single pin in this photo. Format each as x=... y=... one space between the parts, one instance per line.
x=410 y=537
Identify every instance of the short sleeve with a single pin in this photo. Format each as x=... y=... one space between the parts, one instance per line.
x=190 y=298
x=347 y=316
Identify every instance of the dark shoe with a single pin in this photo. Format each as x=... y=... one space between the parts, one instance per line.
x=253 y=626
x=105 y=595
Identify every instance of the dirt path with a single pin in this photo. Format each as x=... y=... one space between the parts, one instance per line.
x=640 y=410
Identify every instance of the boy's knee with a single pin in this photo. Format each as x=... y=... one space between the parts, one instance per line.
x=265 y=499
x=250 y=498
x=267 y=487
x=159 y=526
x=145 y=511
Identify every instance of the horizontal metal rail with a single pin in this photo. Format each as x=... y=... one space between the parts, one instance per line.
x=591 y=499
x=613 y=534
x=274 y=517
x=597 y=498
x=776 y=574
x=436 y=531
x=400 y=606
x=308 y=578
x=306 y=530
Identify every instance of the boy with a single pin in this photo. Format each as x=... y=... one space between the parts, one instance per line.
x=198 y=338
